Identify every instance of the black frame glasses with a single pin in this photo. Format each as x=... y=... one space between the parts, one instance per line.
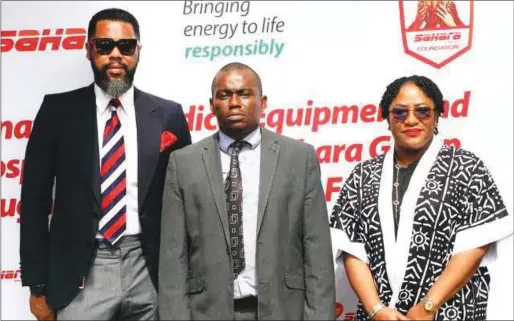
x=105 y=46
x=400 y=114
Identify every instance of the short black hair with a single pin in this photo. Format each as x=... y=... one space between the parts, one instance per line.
x=427 y=86
x=112 y=14
x=236 y=66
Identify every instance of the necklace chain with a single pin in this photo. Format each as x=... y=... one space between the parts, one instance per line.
x=396 y=202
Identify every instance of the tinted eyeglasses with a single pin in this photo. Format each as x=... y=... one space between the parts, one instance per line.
x=400 y=114
x=105 y=46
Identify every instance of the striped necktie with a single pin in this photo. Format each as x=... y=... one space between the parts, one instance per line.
x=113 y=179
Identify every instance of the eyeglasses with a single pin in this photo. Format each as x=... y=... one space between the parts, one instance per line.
x=400 y=114
x=105 y=46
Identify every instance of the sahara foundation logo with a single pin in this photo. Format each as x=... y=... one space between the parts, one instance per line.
x=436 y=32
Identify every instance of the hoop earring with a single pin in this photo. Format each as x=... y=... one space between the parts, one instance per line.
x=436 y=130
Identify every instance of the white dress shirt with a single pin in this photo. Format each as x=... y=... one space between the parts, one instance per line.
x=127 y=116
x=249 y=165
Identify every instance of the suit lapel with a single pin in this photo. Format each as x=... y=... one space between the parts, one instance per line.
x=212 y=160
x=269 y=157
x=87 y=124
x=149 y=128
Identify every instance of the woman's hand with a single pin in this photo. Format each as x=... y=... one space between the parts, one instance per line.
x=418 y=312
x=389 y=314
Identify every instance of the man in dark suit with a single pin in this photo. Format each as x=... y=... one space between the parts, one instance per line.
x=245 y=235
x=107 y=148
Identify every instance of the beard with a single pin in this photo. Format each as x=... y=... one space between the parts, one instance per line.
x=113 y=87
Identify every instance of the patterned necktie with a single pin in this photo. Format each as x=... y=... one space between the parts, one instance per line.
x=113 y=179
x=234 y=199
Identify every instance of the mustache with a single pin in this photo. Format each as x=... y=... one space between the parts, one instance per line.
x=112 y=64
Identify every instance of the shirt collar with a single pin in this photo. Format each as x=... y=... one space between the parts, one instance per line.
x=103 y=99
x=254 y=139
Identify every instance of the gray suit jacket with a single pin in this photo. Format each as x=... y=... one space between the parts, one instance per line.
x=295 y=271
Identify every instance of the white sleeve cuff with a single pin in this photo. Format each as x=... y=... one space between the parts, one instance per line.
x=341 y=242
x=484 y=234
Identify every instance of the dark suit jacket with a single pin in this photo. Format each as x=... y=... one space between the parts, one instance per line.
x=295 y=270
x=64 y=147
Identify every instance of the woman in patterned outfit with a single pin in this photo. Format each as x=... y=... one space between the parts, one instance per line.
x=418 y=224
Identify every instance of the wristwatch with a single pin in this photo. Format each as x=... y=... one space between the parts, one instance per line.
x=37 y=290
x=428 y=304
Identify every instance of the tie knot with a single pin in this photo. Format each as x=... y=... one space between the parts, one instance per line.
x=236 y=147
x=115 y=102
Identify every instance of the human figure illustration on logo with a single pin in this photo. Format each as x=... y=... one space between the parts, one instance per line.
x=436 y=15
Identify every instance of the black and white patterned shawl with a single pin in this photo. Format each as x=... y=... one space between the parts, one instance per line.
x=451 y=205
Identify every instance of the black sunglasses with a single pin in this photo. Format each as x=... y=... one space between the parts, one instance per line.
x=422 y=113
x=105 y=46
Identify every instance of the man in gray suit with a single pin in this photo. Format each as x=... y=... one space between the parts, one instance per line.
x=245 y=232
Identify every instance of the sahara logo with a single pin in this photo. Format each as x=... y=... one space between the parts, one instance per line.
x=436 y=32
x=35 y=40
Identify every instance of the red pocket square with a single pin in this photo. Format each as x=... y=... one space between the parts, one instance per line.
x=167 y=139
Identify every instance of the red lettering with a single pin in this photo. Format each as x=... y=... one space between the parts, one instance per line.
x=324 y=154
x=209 y=125
x=332 y=154
x=367 y=113
x=379 y=145
x=199 y=118
x=74 y=42
x=190 y=116
x=333 y=186
x=379 y=113
x=318 y=120
x=10 y=274
x=316 y=117
x=27 y=44
x=459 y=108
x=345 y=111
x=28 y=33
x=453 y=141
x=19 y=130
x=441 y=36
x=10 y=208
x=338 y=150
x=32 y=40
x=339 y=309
x=297 y=120
x=308 y=114
x=13 y=168
x=276 y=122
x=55 y=41
x=7 y=44
x=353 y=153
